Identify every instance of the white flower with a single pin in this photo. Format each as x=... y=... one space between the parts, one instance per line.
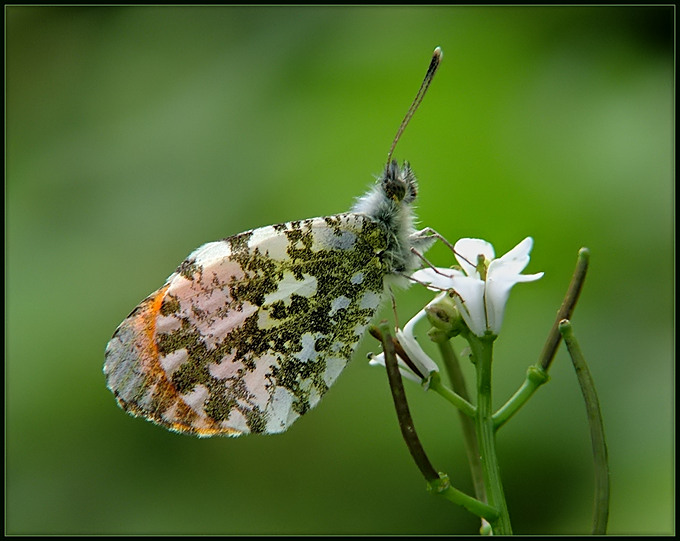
x=423 y=363
x=483 y=286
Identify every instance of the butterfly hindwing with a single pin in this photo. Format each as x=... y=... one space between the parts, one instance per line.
x=251 y=331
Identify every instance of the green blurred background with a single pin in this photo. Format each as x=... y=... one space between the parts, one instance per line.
x=136 y=134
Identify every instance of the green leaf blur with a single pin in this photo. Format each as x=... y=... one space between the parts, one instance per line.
x=135 y=134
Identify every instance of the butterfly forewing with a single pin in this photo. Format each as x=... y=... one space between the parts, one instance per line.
x=251 y=331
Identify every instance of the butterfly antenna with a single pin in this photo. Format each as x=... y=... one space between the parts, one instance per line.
x=437 y=56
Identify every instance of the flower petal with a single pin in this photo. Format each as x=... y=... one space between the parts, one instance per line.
x=468 y=250
x=515 y=261
x=408 y=341
x=528 y=277
x=438 y=278
x=469 y=300
x=404 y=370
x=497 y=293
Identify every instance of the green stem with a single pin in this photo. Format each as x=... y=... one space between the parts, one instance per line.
x=438 y=483
x=536 y=377
x=442 y=390
x=601 y=508
x=567 y=308
x=442 y=487
x=467 y=423
x=482 y=352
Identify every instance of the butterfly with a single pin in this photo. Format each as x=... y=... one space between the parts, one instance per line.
x=250 y=331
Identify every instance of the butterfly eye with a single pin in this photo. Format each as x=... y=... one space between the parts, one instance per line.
x=393 y=182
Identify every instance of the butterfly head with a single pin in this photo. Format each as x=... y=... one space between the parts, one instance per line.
x=399 y=185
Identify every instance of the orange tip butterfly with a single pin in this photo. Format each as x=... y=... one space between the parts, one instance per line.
x=251 y=331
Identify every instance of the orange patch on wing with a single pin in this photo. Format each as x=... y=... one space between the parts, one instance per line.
x=142 y=323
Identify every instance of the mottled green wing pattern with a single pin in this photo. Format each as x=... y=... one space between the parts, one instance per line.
x=251 y=331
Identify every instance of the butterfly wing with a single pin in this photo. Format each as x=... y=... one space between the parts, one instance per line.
x=251 y=331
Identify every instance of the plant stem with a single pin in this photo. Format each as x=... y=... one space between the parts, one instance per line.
x=408 y=430
x=567 y=308
x=482 y=352
x=437 y=483
x=443 y=488
x=463 y=406
x=536 y=377
x=467 y=423
x=601 y=507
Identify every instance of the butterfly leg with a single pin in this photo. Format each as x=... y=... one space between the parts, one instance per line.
x=425 y=238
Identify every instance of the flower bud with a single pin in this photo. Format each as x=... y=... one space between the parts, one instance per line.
x=445 y=317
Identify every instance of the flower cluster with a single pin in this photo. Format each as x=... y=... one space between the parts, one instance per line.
x=482 y=287
x=480 y=291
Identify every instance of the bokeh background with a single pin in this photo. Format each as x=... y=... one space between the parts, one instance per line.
x=135 y=134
